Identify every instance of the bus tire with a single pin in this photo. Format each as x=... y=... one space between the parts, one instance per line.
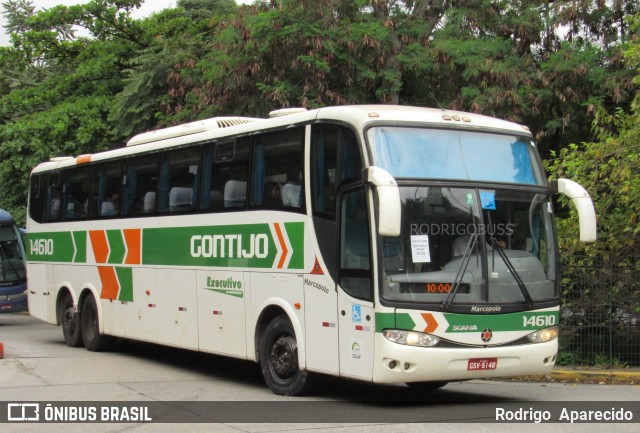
x=93 y=340
x=70 y=321
x=279 y=359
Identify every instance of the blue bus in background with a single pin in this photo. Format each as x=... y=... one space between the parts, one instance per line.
x=13 y=274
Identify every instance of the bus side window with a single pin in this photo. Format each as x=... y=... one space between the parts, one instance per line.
x=179 y=178
x=37 y=197
x=75 y=193
x=355 y=249
x=107 y=190
x=335 y=158
x=54 y=198
x=225 y=172
x=277 y=170
x=140 y=178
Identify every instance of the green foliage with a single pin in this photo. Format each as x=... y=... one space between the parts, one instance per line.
x=566 y=358
x=608 y=168
x=554 y=66
x=607 y=362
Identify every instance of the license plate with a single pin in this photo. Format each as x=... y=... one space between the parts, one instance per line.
x=482 y=364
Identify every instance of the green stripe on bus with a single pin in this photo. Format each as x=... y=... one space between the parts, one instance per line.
x=125 y=278
x=502 y=322
x=80 y=239
x=116 y=246
x=385 y=321
x=295 y=231
x=54 y=247
x=246 y=245
x=461 y=323
x=404 y=321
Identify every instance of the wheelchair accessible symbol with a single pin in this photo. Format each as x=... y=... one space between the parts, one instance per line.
x=488 y=199
x=356 y=313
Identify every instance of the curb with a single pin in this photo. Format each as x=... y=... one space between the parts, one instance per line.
x=617 y=376
x=600 y=377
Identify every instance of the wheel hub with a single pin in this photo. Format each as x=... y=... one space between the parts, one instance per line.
x=68 y=321
x=283 y=357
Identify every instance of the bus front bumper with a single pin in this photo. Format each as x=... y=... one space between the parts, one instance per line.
x=13 y=303
x=397 y=363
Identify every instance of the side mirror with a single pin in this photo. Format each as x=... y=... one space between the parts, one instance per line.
x=581 y=199
x=389 y=205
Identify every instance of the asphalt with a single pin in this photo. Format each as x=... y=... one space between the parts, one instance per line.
x=627 y=376
x=568 y=374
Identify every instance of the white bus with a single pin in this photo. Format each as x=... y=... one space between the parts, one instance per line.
x=381 y=243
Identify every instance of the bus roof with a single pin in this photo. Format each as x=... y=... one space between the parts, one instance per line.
x=357 y=115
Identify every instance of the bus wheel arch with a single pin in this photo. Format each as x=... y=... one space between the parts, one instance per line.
x=268 y=311
x=68 y=317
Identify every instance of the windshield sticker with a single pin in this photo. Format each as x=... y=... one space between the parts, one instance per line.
x=420 y=249
x=470 y=199
x=488 y=200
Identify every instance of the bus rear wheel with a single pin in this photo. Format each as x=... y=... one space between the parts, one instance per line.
x=279 y=359
x=93 y=340
x=69 y=320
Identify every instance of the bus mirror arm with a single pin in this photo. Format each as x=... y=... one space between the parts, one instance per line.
x=584 y=205
x=389 y=206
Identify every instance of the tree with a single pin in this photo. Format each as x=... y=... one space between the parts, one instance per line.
x=608 y=168
x=58 y=89
x=514 y=60
x=16 y=13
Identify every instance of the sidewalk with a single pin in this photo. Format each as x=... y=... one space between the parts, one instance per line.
x=624 y=376
x=584 y=374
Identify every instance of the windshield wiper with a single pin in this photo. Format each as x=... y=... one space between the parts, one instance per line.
x=496 y=247
x=473 y=240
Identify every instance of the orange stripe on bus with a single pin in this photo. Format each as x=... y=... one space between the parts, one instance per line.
x=285 y=251
x=132 y=239
x=83 y=159
x=100 y=245
x=110 y=285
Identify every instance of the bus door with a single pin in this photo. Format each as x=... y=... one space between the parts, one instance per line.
x=355 y=293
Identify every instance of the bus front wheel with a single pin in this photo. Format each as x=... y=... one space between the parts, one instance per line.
x=279 y=359
x=69 y=320
x=93 y=340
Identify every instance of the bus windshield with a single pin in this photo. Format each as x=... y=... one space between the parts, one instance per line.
x=470 y=245
x=12 y=269
x=408 y=152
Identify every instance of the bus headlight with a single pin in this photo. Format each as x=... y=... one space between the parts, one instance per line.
x=543 y=335
x=410 y=338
